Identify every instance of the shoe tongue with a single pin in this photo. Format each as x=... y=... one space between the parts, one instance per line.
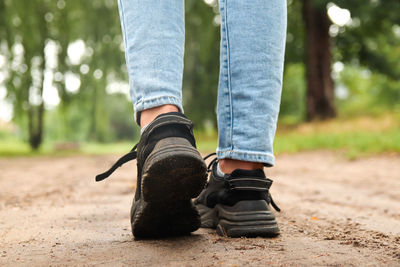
x=248 y=173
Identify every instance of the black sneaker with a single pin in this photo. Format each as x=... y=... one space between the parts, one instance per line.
x=238 y=204
x=170 y=173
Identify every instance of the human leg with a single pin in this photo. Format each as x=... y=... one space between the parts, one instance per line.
x=252 y=52
x=170 y=169
x=148 y=115
x=154 y=36
x=236 y=200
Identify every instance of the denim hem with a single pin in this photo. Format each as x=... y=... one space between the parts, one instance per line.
x=254 y=156
x=156 y=102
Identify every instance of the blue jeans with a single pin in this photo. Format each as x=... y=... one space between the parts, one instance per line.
x=252 y=48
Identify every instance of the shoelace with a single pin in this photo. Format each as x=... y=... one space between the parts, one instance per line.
x=133 y=155
x=212 y=161
x=124 y=159
x=209 y=169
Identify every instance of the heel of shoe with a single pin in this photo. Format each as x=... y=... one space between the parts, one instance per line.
x=246 y=218
x=154 y=220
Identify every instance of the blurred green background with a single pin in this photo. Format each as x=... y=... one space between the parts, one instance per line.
x=64 y=84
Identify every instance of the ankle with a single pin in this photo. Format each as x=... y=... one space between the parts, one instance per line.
x=229 y=165
x=148 y=115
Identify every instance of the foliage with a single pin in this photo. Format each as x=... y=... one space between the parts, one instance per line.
x=293 y=94
x=368 y=47
x=200 y=80
x=372 y=41
x=32 y=26
x=295 y=33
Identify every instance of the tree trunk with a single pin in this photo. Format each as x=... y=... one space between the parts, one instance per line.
x=320 y=89
x=36 y=112
x=35 y=121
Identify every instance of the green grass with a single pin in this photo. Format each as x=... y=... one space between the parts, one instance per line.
x=358 y=136
x=355 y=136
x=111 y=148
x=355 y=144
x=11 y=147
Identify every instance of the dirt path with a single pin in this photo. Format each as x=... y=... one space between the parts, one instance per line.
x=335 y=212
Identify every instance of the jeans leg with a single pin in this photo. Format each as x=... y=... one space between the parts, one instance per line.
x=253 y=37
x=154 y=36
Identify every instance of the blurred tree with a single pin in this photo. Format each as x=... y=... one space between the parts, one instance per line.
x=101 y=63
x=28 y=28
x=372 y=41
x=294 y=84
x=27 y=61
x=200 y=79
x=368 y=39
x=374 y=23
x=320 y=90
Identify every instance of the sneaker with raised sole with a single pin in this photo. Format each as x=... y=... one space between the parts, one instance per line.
x=170 y=173
x=238 y=204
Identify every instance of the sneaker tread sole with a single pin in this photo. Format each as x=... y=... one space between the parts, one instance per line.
x=172 y=176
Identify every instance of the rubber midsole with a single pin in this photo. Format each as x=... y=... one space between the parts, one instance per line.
x=245 y=217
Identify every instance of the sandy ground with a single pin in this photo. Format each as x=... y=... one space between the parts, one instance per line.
x=334 y=212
